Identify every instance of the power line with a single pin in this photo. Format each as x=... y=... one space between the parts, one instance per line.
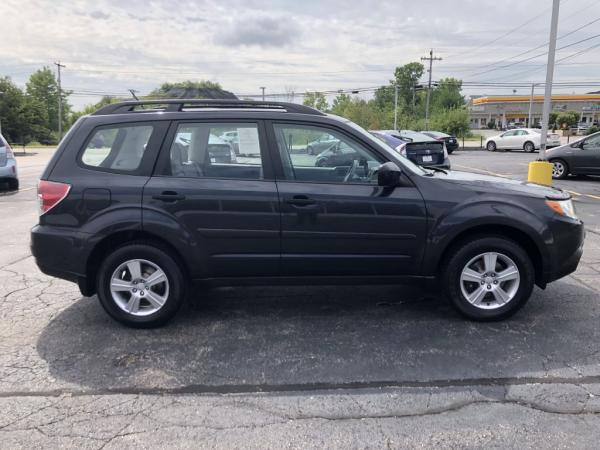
x=539 y=46
x=508 y=33
x=535 y=56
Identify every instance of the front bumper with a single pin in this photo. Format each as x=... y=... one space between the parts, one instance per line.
x=566 y=248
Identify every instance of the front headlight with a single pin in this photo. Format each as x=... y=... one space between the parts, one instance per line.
x=562 y=207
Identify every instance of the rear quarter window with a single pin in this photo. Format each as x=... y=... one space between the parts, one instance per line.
x=117 y=147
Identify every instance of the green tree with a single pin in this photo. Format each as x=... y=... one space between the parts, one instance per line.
x=447 y=94
x=316 y=100
x=552 y=119
x=42 y=89
x=340 y=104
x=567 y=119
x=453 y=121
x=11 y=107
x=406 y=77
x=192 y=89
x=89 y=109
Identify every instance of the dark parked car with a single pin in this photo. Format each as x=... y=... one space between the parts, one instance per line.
x=339 y=154
x=581 y=157
x=138 y=221
x=450 y=141
x=419 y=148
x=325 y=142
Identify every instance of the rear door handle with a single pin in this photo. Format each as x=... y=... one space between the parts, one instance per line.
x=300 y=200
x=168 y=196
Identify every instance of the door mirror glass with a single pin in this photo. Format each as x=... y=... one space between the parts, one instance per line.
x=388 y=175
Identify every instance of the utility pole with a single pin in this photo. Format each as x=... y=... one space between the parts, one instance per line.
x=396 y=107
x=549 y=77
x=262 y=88
x=430 y=58
x=59 y=66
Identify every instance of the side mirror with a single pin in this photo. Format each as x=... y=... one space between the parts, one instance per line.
x=388 y=175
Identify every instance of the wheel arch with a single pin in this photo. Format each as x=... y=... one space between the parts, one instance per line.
x=501 y=230
x=111 y=242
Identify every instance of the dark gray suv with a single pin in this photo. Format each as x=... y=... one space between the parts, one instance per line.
x=136 y=206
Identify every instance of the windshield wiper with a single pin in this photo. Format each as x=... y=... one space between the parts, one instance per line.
x=436 y=169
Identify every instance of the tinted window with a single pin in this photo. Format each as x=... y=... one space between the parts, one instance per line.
x=593 y=142
x=117 y=147
x=344 y=161
x=213 y=150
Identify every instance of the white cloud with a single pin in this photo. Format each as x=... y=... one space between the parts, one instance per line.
x=112 y=45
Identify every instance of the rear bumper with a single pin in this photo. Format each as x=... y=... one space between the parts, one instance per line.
x=61 y=253
x=9 y=171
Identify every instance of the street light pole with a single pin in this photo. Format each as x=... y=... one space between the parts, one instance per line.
x=549 y=77
x=262 y=88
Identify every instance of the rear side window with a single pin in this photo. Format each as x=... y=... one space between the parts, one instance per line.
x=216 y=150
x=117 y=147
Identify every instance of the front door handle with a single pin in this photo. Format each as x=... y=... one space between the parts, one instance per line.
x=300 y=200
x=168 y=196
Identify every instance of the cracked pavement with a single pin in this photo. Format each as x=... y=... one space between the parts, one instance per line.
x=296 y=367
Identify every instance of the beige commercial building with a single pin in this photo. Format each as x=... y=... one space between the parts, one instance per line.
x=506 y=109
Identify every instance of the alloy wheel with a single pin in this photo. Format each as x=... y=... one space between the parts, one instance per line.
x=490 y=280
x=139 y=287
x=558 y=169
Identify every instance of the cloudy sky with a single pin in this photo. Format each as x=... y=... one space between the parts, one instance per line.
x=110 y=46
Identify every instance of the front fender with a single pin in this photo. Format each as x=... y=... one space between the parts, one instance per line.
x=491 y=215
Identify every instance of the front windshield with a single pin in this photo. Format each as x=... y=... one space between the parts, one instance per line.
x=417 y=170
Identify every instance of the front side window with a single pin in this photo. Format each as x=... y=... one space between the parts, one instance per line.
x=216 y=150
x=117 y=147
x=341 y=160
x=592 y=143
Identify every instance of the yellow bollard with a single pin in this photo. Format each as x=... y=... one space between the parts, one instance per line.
x=540 y=172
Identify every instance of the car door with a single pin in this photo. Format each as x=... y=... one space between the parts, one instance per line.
x=226 y=212
x=586 y=159
x=336 y=221
x=504 y=140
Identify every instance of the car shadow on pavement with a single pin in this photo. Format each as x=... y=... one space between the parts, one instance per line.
x=274 y=336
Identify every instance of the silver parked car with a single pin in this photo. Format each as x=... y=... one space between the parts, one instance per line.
x=8 y=165
x=581 y=157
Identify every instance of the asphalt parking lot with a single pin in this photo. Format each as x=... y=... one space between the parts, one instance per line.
x=324 y=366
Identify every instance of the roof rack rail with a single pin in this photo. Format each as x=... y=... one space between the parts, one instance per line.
x=176 y=105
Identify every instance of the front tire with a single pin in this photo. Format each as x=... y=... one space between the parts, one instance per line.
x=141 y=285
x=489 y=278
x=560 y=169
x=491 y=146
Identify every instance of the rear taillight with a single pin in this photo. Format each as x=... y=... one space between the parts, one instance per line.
x=51 y=193
x=9 y=152
x=401 y=149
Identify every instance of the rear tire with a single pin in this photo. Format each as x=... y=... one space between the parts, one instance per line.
x=491 y=146
x=529 y=147
x=13 y=184
x=133 y=297
x=560 y=171
x=491 y=291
